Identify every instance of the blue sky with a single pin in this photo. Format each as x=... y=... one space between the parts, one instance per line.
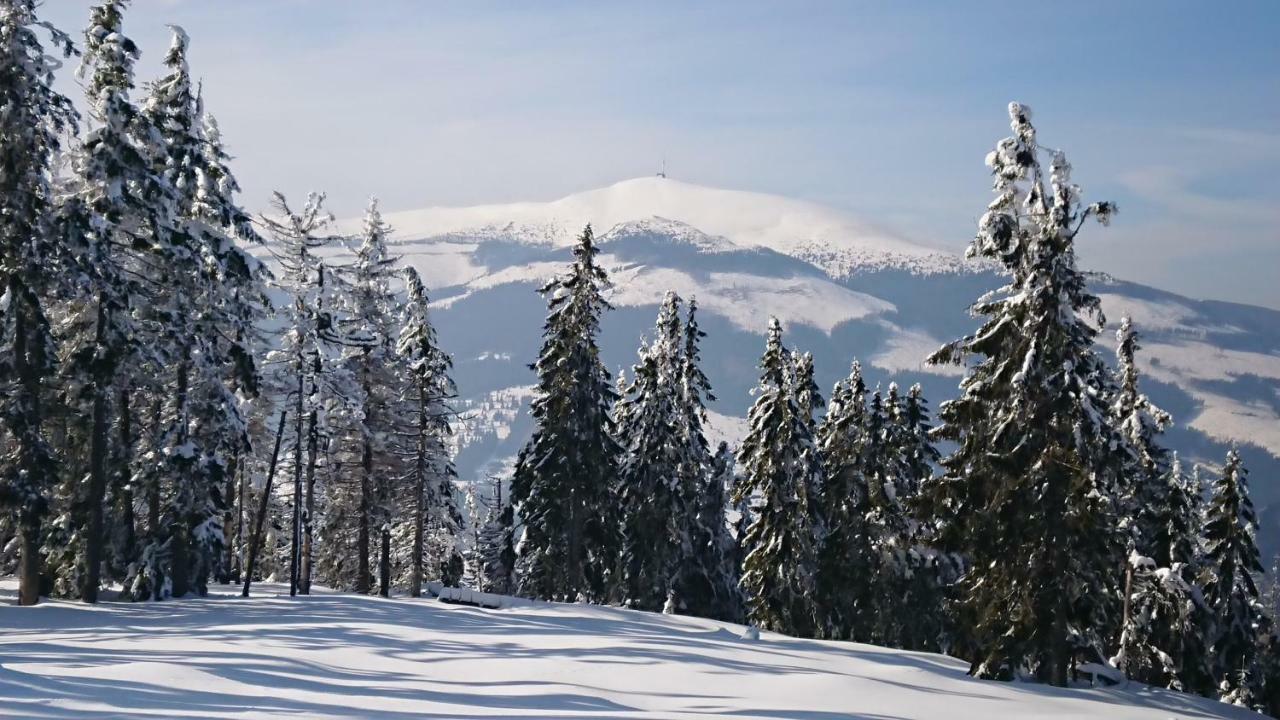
x=1172 y=109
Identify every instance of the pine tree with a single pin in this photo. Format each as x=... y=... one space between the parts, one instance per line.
x=1165 y=615
x=496 y=547
x=1028 y=494
x=429 y=390
x=124 y=213
x=846 y=563
x=1232 y=593
x=779 y=466
x=31 y=253
x=924 y=573
x=371 y=337
x=1148 y=481
x=711 y=578
x=651 y=490
x=308 y=361
x=565 y=476
x=707 y=583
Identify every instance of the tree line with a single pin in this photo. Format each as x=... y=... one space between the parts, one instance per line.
x=176 y=411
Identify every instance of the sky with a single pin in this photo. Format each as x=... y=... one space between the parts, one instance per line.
x=885 y=110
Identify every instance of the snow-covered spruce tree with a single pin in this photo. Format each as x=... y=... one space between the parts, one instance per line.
x=308 y=367
x=712 y=577
x=214 y=296
x=779 y=465
x=846 y=561
x=922 y=622
x=1231 y=591
x=371 y=337
x=1029 y=492
x=1147 y=475
x=123 y=212
x=708 y=585
x=1164 y=618
x=34 y=117
x=651 y=494
x=496 y=544
x=565 y=476
x=428 y=389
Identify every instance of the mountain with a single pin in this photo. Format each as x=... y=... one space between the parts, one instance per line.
x=338 y=655
x=843 y=289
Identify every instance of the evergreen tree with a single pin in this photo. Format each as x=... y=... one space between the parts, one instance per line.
x=31 y=252
x=707 y=583
x=846 y=563
x=496 y=547
x=1164 y=619
x=371 y=338
x=924 y=573
x=1028 y=495
x=212 y=301
x=1232 y=593
x=565 y=476
x=124 y=213
x=651 y=492
x=711 y=578
x=1147 y=478
x=779 y=466
x=429 y=390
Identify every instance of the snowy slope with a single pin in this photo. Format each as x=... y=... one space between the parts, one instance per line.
x=842 y=289
x=832 y=240
x=344 y=656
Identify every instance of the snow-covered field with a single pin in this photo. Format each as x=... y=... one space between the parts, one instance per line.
x=344 y=656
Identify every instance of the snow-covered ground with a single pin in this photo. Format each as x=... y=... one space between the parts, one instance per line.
x=344 y=656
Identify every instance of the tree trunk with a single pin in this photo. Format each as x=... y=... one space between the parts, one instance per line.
x=256 y=541
x=295 y=539
x=123 y=486
x=97 y=490
x=309 y=502
x=153 y=488
x=363 y=577
x=29 y=562
x=179 y=530
x=226 y=570
x=420 y=487
x=384 y=569
x=238 y=560
x=26 y=358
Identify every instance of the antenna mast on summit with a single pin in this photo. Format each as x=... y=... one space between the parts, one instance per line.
x=663 y=172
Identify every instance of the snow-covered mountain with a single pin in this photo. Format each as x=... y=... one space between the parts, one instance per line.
x=336 y=655
x=843 y=288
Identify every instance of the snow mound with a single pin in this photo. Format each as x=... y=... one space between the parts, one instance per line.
x=827 y=238
x=334 y=655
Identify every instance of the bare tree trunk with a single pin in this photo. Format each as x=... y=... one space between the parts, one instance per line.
x=313 y=449
x=420 y=487
x=179 y=531
x=29 y=561
x=363 y=577
x=256 y=542
x=124 y=486
x=25 y=363
x=153 y=488
x=384 y=569
x=228 y=518
x=237 y=544
x=295 y=540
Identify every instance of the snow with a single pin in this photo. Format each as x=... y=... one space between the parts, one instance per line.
x=747 y=300
x=1199 y=368
x=835 y=241
x=342 y=656
x=905 y=351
